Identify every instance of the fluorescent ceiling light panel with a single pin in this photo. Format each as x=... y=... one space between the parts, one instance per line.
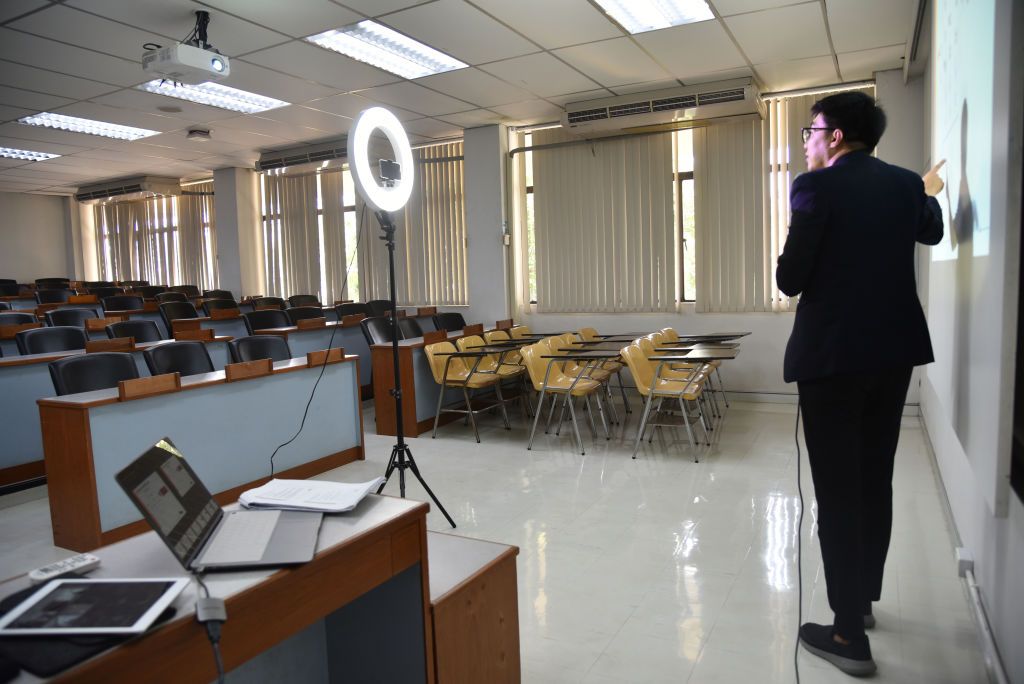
x=215 y=95
x=638 y=16
x=77 y=125
x=27 y=155
x=387 y=49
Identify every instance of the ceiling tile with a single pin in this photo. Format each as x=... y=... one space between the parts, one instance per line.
x=191 y=112
x=313 y=17
x=580 y=96
x=256 y=79
x=314 y=63
x=800 y=73
x=692 y=49
x=48 y=135
x=416 y=98
x=20 y=143
x=313 y=118
x=727 y=7
x=48 y=54
x=645 y=87
x=13 y=184
x=726 y=75
x=163 y=146
x=613 y=62
x=477 y=39
x=432 y=128
x=473 y=118
x=10 y=163
x=350 y=105
x=14 y=8
x=174 y=19
x=795 y=32
x=120 y=115
x=274 y=129
x=553 y=24
x=541 y=74
x=864 y=63
x=30 y=78
x=862 y=24
x=86 y=30
x=372 y=8
x=531 y=111
x=14 y=113
x=226 y=139
x=473 y=85
x=39 y=102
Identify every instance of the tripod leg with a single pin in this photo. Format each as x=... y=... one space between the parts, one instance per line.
x=416 y=472
x=390 y=469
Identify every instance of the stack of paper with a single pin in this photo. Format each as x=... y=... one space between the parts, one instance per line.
x=308 y=495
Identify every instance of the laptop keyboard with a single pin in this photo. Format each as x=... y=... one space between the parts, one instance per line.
x=242 y=537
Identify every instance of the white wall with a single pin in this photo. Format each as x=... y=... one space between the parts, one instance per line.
x=35 y=237
x=967 y=395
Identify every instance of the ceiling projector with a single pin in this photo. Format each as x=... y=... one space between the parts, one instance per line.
x=186 y=63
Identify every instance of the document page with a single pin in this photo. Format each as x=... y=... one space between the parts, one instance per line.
x=309 y=495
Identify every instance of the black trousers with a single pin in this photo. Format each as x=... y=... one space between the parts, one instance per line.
x=852 y=427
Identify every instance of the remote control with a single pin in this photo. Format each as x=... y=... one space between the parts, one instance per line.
x=83 y=562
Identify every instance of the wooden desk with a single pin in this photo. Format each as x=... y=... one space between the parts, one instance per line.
x=226 y=430
x=357 y=612
x=24 y=380
x=475 y=610
x=346 y=336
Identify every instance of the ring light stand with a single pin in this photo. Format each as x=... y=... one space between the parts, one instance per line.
x=384 y=199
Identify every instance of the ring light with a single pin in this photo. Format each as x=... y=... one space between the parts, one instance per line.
x=379 y=197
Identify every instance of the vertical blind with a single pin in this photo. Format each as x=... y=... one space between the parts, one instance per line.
x=165 y=240
x=604 y=224
x=291 y=235
x=430 y=241
x=335 y=266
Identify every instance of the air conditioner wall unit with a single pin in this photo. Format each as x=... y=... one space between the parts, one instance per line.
x=678 y=106
x=127 y=189
x=304 y=154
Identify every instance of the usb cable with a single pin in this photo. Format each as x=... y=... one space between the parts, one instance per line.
x=211 y=613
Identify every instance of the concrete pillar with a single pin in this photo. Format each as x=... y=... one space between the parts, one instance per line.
x=236 y=206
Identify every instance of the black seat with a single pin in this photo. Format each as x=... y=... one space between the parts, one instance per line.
x=89 y=284
x=9 y=289
x=352 y=308
x=265 y=318
x=299 y=313
x=4 y=306
x=256 y=347
x=409 y=328
x=8 y=281
x=188 y=358
x=45 y=340
x=451 y=321
x=50 y=283
x=269 y=303
x=88 y=372
x=304 y=300
x=141 y=329
x=376 y=330
x=73 y=317
x=378 y=307
x=104 y=292
x=190 y=291
x=122 y=303
x=17 y=318
x=164 y=297
x=218 y=294
x=211 y=304
x=134 y=284
x=173 y=311
x=53 y=296
x=151 y=291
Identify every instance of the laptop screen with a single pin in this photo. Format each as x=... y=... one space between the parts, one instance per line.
x=172 y=498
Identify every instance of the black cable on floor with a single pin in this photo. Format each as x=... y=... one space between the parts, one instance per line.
x=799 y=550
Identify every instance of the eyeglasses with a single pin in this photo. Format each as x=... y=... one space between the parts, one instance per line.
x=805 y=133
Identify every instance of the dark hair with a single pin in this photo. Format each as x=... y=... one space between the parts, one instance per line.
x=855 y=114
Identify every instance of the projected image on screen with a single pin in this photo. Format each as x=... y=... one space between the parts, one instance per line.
x=962 y=125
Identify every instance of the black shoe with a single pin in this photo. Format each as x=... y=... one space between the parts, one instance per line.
x=853 y=658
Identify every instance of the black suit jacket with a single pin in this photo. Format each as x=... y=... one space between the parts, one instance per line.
x=850 y=257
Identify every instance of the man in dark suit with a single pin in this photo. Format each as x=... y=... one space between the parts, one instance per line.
x=858 y=334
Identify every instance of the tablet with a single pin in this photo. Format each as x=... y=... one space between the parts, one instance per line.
x=93 y=606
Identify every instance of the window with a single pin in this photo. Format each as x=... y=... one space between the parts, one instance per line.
x=683 y=144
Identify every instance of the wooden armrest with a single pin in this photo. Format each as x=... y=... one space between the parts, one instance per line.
x=311 y=323
x=148 y=387
x=323 y=357
x=248 y=369
x=116 y=344
x=201 y=334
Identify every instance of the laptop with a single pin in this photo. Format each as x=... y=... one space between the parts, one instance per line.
x=198 y=532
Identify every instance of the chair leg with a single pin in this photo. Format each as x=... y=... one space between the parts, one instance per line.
x=561 y=414
x=575 y=425
x=501 y=403
x=657 y=412
x=469 y=413
x=689 y=430
x=721 y=384
x=551 y=414
x=536 y=419
x=643 y=422
x=704 y=423
x=590 y=416
x=622 y=390
x=437 y=413
x=601 y=411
